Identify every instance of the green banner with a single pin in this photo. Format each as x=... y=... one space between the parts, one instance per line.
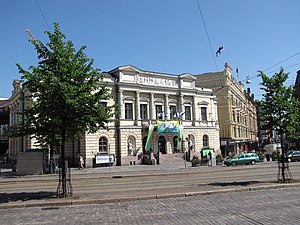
x=206 y=151
x=149 y=138
x=180 y=136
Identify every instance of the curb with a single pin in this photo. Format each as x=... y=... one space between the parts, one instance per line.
x=53 y=205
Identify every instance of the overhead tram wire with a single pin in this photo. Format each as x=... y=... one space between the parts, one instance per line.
x=282 y=61
x=276 y=64
x=273 y=71
x=41 y=11
x=211 y=49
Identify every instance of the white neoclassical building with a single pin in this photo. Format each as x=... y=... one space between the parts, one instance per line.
x=143 y=99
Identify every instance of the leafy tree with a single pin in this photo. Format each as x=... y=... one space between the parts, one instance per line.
x=66 y=94
x=279 y=107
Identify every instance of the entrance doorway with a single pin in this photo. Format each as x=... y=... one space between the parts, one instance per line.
x=162 y=144
x=144 y=144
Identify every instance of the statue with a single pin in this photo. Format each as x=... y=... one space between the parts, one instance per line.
x=130 y=147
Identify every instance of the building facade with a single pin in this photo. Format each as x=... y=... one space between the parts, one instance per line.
x=236 y=111
x=16 y=108
x=297 y=85
x=142 y=99
x=4 y=121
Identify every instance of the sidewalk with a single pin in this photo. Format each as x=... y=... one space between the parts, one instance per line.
x=136 y=170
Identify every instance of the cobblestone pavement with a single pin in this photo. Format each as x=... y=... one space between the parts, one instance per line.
x=279 y=206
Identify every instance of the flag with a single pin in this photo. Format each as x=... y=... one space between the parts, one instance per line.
x=219 y=51
x=149 y=138
x=160 y=115
x=178 y=114
x=180 y=135
x=166 y=115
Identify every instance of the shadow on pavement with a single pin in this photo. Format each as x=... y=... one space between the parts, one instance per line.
x=234 y=183
x=8 y=174
x=25 y=196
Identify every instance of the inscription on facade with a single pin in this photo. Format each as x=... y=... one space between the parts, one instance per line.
x=157 y=81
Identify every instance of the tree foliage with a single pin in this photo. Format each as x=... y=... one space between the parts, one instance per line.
x=66 y=92
x=279 y=107
x=66 y=95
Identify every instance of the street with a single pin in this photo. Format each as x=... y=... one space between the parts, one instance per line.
x=130 y=183
x=148 y=182
x=279 y=206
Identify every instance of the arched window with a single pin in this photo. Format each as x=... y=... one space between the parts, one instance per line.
x=103 y=144
x=205 y=141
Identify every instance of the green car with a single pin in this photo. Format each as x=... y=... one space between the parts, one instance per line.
x=248 y=158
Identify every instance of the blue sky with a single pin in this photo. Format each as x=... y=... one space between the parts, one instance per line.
x=158 y=35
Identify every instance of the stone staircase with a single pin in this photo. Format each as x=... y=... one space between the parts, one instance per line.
x=165 y=159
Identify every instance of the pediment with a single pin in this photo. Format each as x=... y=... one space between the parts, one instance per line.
x=187 y=76
x=203 y=103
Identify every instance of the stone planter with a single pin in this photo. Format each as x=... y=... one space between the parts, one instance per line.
x=195 y=164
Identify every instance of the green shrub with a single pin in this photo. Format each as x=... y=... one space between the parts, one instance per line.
x=275 y=154
x=260 y=155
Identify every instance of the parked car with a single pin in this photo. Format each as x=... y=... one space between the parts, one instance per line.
x=293 y=156
x=248 y=158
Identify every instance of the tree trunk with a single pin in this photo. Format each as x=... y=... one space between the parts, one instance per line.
x=51 y=160
x=282 y=157
x=63 y=165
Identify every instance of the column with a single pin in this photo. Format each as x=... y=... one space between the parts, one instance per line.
x=152 y=107
x=166 y=109
x=181 y=105
x=121 y=105
x=137 y=107
x=194 y=110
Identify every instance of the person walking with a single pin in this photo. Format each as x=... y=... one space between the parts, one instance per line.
x=81 y=162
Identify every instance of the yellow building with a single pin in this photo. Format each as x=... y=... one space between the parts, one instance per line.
x=236 y=111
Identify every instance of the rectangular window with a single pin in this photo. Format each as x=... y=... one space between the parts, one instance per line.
x=103 y=104
x=188 y=114
x=203 y=113
x=128 y=111
x=143 y=112
x=172 y=112
x=159 y=112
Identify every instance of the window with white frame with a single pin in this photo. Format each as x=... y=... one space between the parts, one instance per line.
x=103 y=104
x=187 y=112
x=128 y=111
x=172 y=112
x=144 y=111
x=205 y=141
x=159 y=112
x=103 y=144
x=203 y=113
